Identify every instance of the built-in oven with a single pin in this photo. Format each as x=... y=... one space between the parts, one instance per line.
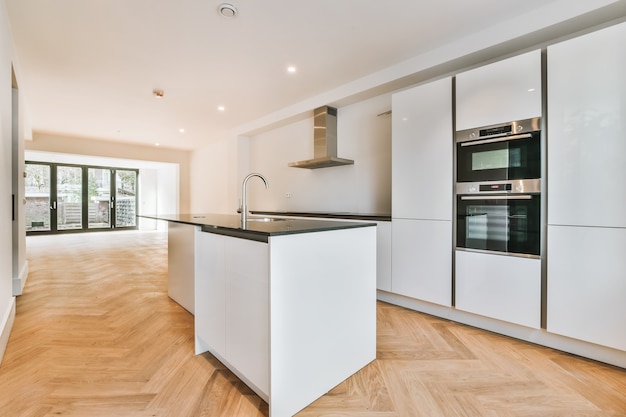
x=502 y=216
x=507 y=151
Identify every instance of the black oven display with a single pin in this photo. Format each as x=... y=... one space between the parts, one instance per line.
x=493 y=154
x=500 y=223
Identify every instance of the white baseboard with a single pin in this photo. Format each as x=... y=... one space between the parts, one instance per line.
x=6 y=325
x=538 y=336
x=20 y=281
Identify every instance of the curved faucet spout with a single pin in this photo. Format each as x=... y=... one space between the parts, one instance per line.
x=244 y=196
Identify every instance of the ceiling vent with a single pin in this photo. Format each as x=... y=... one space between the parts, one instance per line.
x=227 y=10
x=324 y=141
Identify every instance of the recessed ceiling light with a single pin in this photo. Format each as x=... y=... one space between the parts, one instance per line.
x=157 y=144
x=291 y=69
x=221 y=108
x=530 y=90
x=181 y=130
x=227 y=10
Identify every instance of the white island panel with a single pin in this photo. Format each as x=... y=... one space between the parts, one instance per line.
x=247 y=311
x=210 y=294
x=180 y=259
x=323 y=313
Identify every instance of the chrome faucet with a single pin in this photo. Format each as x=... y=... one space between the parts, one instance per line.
x=244 y=197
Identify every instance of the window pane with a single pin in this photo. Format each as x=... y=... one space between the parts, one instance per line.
x=69 y=198
x=37 y=194
x=99 y=203
x=126 y=198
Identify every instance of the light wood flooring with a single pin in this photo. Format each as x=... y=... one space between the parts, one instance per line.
x=95 y=335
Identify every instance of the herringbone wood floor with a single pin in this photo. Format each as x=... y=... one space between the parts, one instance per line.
x=96 y=336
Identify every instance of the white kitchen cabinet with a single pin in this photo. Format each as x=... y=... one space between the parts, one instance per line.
x=586 y=130
x=422 y=148
x=502 y=287
x=210 y=294
x=383 y=256
x=500 y=92
x=233 y=304
x=247 y=309
x=422 y=190
x=292 y=315
x=422 y=260
x=587 y=284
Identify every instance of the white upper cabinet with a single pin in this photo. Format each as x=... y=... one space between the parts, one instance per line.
x=587 y=130
x=501 y=92
x=422 y=141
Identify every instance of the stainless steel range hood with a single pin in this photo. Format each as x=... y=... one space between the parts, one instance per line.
x=324 y=141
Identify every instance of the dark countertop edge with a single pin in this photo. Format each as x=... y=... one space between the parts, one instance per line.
x=237 y=233
x=258 y=235
x=261 y=236
x=346 y=216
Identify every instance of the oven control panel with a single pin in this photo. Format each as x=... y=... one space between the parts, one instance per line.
x=499 y=187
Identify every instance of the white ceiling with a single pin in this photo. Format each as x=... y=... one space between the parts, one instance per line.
x=88 y=67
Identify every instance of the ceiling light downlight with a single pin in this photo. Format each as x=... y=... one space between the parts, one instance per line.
x=227 y=10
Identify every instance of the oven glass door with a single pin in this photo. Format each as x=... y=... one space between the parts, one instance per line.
x=507 y=158
x=500 y=223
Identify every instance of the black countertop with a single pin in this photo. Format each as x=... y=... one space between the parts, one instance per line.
x=376 y=217
x=230 y=225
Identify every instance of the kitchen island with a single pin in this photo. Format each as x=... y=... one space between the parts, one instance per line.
x=289 y=305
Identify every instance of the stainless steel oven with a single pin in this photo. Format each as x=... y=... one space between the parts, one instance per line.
x=501 y=216
x=507 y=151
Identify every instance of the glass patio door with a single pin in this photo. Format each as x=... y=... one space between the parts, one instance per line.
x=37 y=194
x=69 y=197
x=75 y=198
x=99 y=198
x=125 y=198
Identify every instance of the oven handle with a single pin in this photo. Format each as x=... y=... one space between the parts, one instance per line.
x=500 y=139
x=497 y=197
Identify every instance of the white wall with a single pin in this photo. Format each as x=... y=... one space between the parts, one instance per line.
x=20 y=130
x=158 y=193
x=148 y=194
x=215 y=177
x=364 y=187
x=7 y=300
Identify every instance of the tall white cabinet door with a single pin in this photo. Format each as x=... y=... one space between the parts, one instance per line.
x=587 y=284
x=383 y=256
x=248 y=310
x=422 y=260
x=422 y=143
x=587 y=130
x=501 y=92
x=210 y=294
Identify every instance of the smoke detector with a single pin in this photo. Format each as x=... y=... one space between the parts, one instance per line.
x=227 y=10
